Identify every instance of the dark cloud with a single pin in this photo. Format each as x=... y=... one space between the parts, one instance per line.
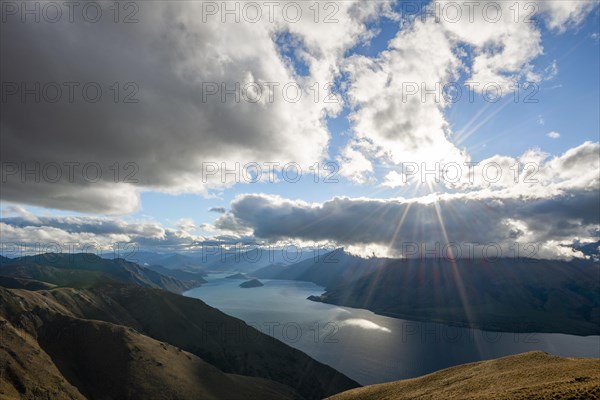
x=396 y=223
x=161 y=140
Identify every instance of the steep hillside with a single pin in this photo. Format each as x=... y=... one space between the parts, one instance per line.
x=507 y=295
x=533 y=375
x=47 y=354
x=188 y=324
x=191 y=325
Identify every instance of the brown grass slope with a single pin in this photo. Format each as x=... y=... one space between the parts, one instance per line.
x=45 y=354
x=189 y=324
x=226 y=342
x=532 y=375
x=27 y=371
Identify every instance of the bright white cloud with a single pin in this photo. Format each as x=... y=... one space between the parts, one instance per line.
x=561 y=15
x=393 y=180
x=404 y=126
x=554 y=203
x=493 y=44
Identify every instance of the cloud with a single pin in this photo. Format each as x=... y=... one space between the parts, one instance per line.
x=393 y=180
x=186 y=225
x=561 y=16
x=22 y=232
x=402 y=127
x=165 y=140
x=397 y=98
x=553 y=135
x=354 y=166
x=558 y=207
x=540 y=216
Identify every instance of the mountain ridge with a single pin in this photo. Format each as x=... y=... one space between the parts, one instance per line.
x=84 y=268
x=226 y=343
x=508 y=295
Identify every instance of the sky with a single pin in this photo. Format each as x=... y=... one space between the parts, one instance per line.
x=172 y=125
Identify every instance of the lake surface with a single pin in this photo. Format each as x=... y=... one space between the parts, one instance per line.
x=367 y=347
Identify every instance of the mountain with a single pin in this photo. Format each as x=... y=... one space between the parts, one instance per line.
x=178 y=273
x=516 y=295
x=142 y=258
x=182 y=262
x=116 y=340
x=170 y=260
x=218 y=259
x=84 y=270
x=330 y=269
x=533 y=375
x=591 y=250
x=47 y=352
x=252 y=260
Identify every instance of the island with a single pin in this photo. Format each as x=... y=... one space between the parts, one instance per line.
x=251 y=283
x=238 y=276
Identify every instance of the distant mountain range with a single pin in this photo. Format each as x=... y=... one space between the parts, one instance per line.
x=533 y=375
x=116 y=333
x=217 y=259
x=86 y=270
x=329 y=270
x=514 y=295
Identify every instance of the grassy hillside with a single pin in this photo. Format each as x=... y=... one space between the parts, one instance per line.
x=533 y=375
x=57 y=356
x=191 y=325
x=188 y=324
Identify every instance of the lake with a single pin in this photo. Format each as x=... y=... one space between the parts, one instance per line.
x=367 y=347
